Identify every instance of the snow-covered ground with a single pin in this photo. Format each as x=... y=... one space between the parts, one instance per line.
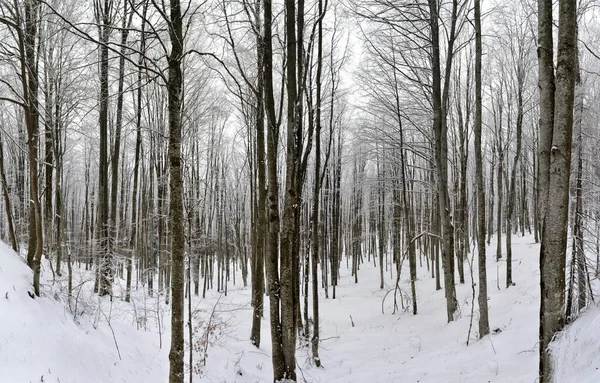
x=94 y=340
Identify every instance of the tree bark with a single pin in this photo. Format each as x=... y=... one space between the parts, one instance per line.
x=546 y=86
x=273 y=198
x=440 y=97
x=136 y=161
x=482 y=299
x=113 y=220
x=105 y=257
x=29 y=77
x=555 y=219
x=316 y=195
x=7 y=203
x=511 y=198
x=258 y=260
x=175 y=95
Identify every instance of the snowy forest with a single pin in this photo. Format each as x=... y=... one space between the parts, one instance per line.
x=299 y=191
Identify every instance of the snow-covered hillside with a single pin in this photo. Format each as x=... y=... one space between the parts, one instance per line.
x=95 y=340
x=41 y=342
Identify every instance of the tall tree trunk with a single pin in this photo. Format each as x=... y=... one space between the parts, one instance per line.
x=482 y=299
x=381 y=217
x=500 y=151
x=317 y=189
x=60 y=218
x=175 y=95
x=49 y=95
x=536 y=194
x=278 y=359
x=491 y=199
x=555 y=219
x=461 y=210
x=113 y=220
x=336 y=216
x=578 y=229
x=7 y=203
x=546 y=88
x=30 y=81
x=136 y=160
x=510 y=206
x=258 y=260
x=289 y=227
x=105 y=256
x=440 y=98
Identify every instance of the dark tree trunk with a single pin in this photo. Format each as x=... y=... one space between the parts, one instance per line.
x=510 y=206
x=482 y=300
x=136 y=161
x=278 y=359
x=113 y=220
x=175 y=95
x=105 y=257
x=555 y=219
x=7 y=203
x=317 y=189
x=336 y=217
x=440 y=98
x=30 y=81
x=49 y=95
x=258 y=260
x=546 y=87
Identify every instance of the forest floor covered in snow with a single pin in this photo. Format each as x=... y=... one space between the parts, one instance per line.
x=92 y=339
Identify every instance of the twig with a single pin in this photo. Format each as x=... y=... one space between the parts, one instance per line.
x=383 y=300
x=158 y=321
x=492 y=343
x=473 y=297
x=498 y=275
x=302 y=372
x=112 y=331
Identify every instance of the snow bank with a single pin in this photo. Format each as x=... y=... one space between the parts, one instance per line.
x=576 y=349
x=40 y=342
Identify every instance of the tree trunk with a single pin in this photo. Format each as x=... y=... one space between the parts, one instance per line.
x=29 y=78
x=441 y=150
x=104 y=250
x=49 y=95
x=175 y=87
x=113 y=220
x=555 y=219
x=546 y=87
x=7 y=203
x=258 y=260
x=336 y=216
x=499 y=176
x=482 y=300
x=273 y=198
x=510 y=206
x=136 y=161
x=317 y=189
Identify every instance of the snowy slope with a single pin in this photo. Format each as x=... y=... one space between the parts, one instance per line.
x=578 y=349
x=40 y=342
x=358 y=343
